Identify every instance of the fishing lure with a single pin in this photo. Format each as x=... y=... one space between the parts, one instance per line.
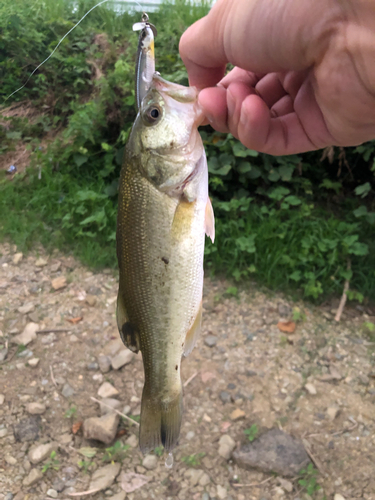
x=145 y=65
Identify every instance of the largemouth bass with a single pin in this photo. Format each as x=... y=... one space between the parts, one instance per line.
x=164 y=212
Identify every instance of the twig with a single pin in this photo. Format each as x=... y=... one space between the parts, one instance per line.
x=190 y=379
x=347 y=429
x=315 y=461
x=343 y=297
x=83 y=493
x=9 y=358
x=239 y=485
x=116 y=411
x=53 y=330
x=52 y=376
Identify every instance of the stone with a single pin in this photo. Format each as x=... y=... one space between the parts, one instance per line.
x=132 y=441
x=52 y=493
x=27 y=429
x=338 y=497
x=36 y=408
x=34 y=476
x=226 y=446
x=205 y=479
x=9 y=496
x=40 y=452
x=150 y=462
x=3 y=432
x=310 y=388
x=33 y=362
x=332 y=412
x=363 y=379
x=106 y=390
x=58 y=485
x=194 y=476
x=104 y=363
x=17 y=257
x=237 y=414
x=28 y=334
x=225 y=397
x=286 y=485
x=41 y=262
x=221 y=492
x=210 y=340
x=190 y=435
x=91 y=300
x=126 y=410
x=104 y=477
x=67 y=391
x=274 y=451
x=58 y=283
x=109 y=402
x=26 y=308
x=93 y=366
x=10 y=460
x=102 y=429
x=2 y=399
x=3 y=354
x=118 y=496
x=123 y=358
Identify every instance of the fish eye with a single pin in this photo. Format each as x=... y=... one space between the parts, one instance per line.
x=152 y=115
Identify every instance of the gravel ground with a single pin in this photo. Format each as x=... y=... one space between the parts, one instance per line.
x=316 y=384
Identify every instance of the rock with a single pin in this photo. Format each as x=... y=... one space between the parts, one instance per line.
x=93 y=366
x=274 y=451
x=338 y=497
x=332 y=412
x=113 y=403
x=2 y=399
x=194 y=476
x=132 y=441
x=3 y=432
x=104 y=363
x=336 y=375
x=150 y=462
x=58 y=485
x=41 y=262
x=27 y=429
x=3 y=354
x=205 y=479
x=91 y=300
x=17 y=257
x=123 y=358
x=104 y=477
x=28 y=334
x=40 y=452
x=225 y=397
x=126 y=410
x=67 y=391
x=52 y=493
x=210 y=340
x=221 y=492
x=34 y=476
x=106 y=390
x=33 y=362
x=310 y=388
x=363 y=379
x=190 y=435
x=10 y=460
x=58 y=283
x=9 y=496
x=286 y=485
x=237 y=414
x=26 y=308
x=226 y=446
x=119 y=496
x=102 y=429
x=36 y=408
x=55 y=267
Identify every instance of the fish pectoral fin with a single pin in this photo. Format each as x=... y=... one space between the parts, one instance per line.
x=128 y=334
x=210 y=221
x=193 y=334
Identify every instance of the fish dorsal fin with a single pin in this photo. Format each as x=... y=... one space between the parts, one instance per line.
x=128 y=334
x=210 y=221
x=193 y=334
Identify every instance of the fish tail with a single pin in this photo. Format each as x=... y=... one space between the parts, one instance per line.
x=160 y=421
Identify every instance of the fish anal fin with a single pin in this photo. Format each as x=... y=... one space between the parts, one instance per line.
x=193 y=334
x=128 y=334
x=210 y=221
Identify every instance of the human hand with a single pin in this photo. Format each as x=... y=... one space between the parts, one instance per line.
x=304 y=76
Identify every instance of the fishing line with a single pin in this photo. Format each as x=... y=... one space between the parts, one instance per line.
x=60 y=42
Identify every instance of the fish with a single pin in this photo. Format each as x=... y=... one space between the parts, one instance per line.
x=164 y=212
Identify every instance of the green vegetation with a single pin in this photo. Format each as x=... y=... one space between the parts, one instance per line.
x=193 y=460
x=300 y=223
x=252 y=432
x=52 y=463
x=71 y=412
x=308 y=480
x=115 y=453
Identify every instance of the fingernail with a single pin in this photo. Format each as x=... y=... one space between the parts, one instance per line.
x=210 y=118
x=231 y=103
x=243 y=117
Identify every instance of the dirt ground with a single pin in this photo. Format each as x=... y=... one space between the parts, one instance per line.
x=317 y=384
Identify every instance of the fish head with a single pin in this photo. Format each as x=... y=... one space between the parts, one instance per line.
x=165 y=135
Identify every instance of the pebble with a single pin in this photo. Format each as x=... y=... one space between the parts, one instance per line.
x=104 y=363
x=226 y=446
x=221 y=492
x=33 y=362
x=237 y=414
x=310 y=388
x=93 y=366
x=104 y=477
x=205 y=479
x=40 y=452
x=102 y=429
x=3 y=432
x=36 y=408
x=194 y=476
x=126 y=410
x=67 y=391
x=33 y=477
x=91 y=300
x=27 y=429
x=150 y=462
x=58 y=485
x=123 y=358
x=9 y=496
x=106 y=390
x=10 y=460
x=52 y=493
x=3 y=354
x=363 y=379
x=28 y=334
x=286 y=485
x=225 y=397
x=26 y=308
x=17 y=257
x=338 y=497
x=41 y=262
x=118 y=496
x=113 y=403
x=210 y=340
x=58 y=283
x=332 y=412
x=2 y=399
x=132 y=441
x=190 y=435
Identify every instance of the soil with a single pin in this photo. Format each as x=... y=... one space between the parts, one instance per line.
x=242 y=361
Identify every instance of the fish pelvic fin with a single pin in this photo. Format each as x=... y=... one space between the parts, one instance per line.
x=194 y=332
x=160 y=421
x=128 y=334
x=210 y=221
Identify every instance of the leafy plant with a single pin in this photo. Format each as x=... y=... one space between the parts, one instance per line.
x=85 y=465
x=193 y=460
x=159 y=451
x=52 y=463
x=252 y=432
x=115 y=453
x=308 y=480
x=71 y=412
